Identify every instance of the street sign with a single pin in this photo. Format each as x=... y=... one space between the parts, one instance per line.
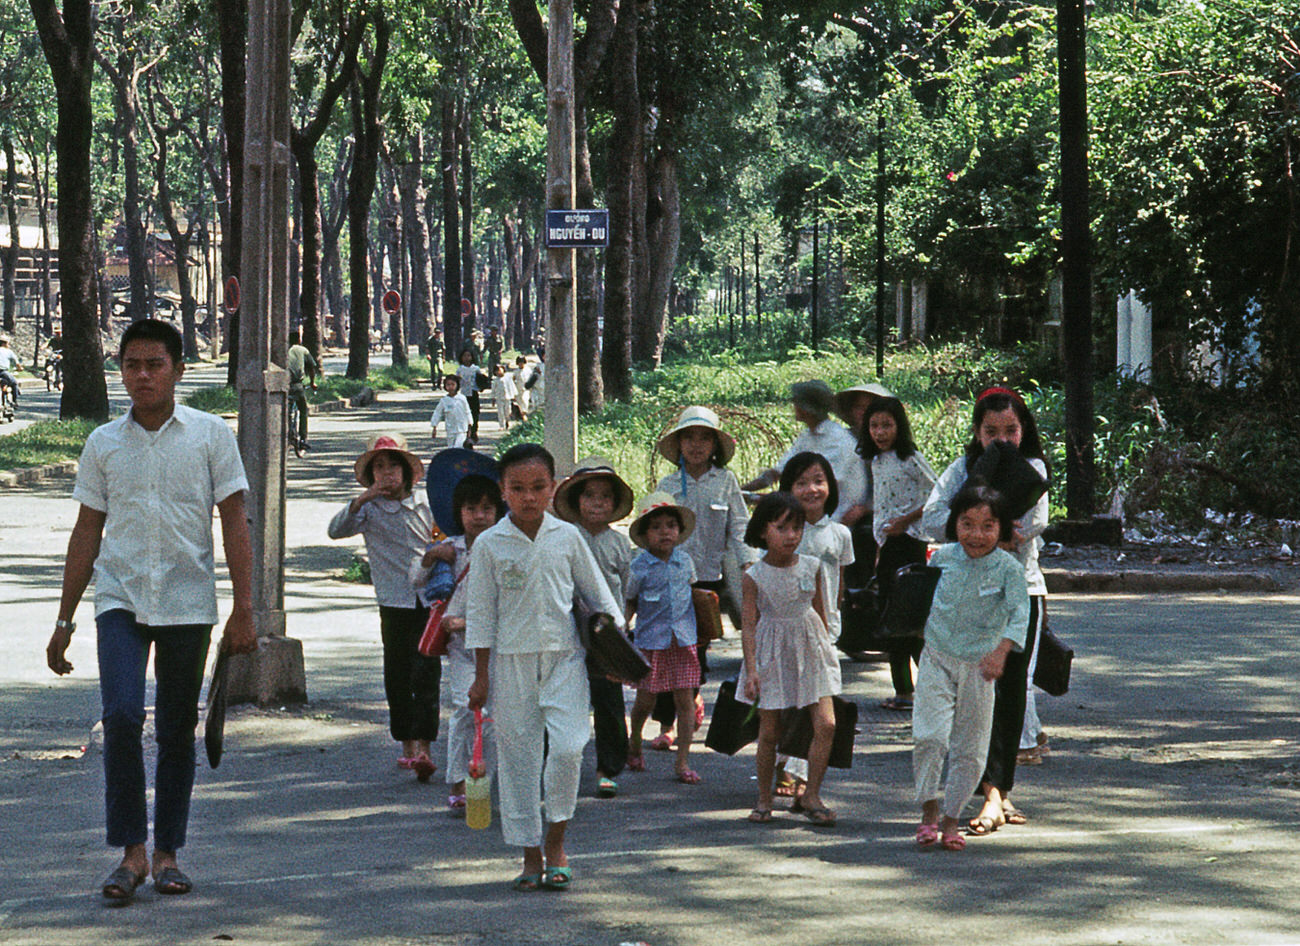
x=392 y=302
x=570 y=228
x=230 y=298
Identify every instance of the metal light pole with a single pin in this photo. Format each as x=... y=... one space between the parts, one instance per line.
x=561 y=407
x=274 y=673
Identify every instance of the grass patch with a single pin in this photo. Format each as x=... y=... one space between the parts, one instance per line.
x=358 y=571
x=46 y=441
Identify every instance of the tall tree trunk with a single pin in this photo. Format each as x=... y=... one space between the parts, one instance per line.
x=9 y=258
x=332 y=216
x=181 y=240
x=420 y=304
x=451 y=293
x=232 y=25
x=126 y=100
x=467 y=273
x=663 y=241
x=626 y=151
x=68 y=41
x=392 y=235
x=361 y=188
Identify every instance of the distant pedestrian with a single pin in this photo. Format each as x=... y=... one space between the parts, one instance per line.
x=521 y=375
x=493 y=347
x=503 y=393
x=789 y=658
x=396 y=523
x=301 y=366
x=453 y=411
x=526 y=572
x=147 y=483
x=901 y=481
x=472 y=380
x=433 y=348
x=979 y=616
x=1001 y=416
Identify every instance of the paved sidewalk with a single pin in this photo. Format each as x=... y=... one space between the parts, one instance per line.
x=1168 y=811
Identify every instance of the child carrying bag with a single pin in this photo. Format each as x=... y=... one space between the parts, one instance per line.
x=433 y=642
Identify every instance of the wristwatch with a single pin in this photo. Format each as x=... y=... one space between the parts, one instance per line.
x=63 y=625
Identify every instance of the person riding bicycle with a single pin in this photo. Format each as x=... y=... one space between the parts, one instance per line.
x=299 y=362
x=8 y=361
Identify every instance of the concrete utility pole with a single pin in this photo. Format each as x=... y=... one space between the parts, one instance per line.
x=561 y=408
x=275 y=673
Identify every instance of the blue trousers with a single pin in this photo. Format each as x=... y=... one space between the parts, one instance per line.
x=180 y=653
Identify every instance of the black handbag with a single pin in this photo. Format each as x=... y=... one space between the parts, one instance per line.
x=1005 y=469
x=610 y=653
x=214 y=727
x=909 y=603
x=1052 y=672
x=733 y=724
x=796 y=738
x=860 y=628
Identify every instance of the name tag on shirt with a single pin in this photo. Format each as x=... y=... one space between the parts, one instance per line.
x=512 y=578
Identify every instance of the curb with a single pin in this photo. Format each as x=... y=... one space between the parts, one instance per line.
x=1060 y=580
x=36 y=474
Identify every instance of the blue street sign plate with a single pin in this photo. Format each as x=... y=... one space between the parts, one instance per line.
x=570 y=228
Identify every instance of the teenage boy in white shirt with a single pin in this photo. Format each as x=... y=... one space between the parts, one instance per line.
x=147 y=483
x=525 y=572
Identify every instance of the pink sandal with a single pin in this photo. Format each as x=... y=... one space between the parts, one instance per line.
x=636 y=763
x=424 y=767
x=660 y=743
x=456 y=802
x=927 y=834
x=406 y=762
x=689 y=777
x=953 y=842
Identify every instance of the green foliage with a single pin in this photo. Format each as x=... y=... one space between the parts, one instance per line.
x=358 y=570
x=46 y=441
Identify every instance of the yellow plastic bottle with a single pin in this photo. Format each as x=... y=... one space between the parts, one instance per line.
x=478 y=787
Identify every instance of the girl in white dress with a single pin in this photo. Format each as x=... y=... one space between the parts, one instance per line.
x=789 y=658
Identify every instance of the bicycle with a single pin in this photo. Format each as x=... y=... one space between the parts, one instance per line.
x=299 y=444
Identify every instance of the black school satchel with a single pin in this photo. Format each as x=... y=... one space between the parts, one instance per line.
x=909 y=604
x=1052 y=672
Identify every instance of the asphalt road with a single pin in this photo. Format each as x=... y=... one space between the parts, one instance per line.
x=1167 y=813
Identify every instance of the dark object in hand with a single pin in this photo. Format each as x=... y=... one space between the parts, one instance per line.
x=909 y=604
x=1004 y=468
x=611 y=653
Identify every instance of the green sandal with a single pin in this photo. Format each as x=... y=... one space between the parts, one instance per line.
x=527 y=883
x=557 y=878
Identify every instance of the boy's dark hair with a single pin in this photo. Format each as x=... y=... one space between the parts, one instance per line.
x=522 y=453
x=1030 y=444
x=467 y=350
x=408 y=475
x=471 y=490
x=153 y=330
x=970 y=497
x=773 y=507
x=520 y=358
x=295 y=337
x=904 y=443
x=452 y=377
x=798 y=465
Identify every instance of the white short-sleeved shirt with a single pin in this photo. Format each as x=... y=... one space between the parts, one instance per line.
x=831 y=543
x=157 y=490
x=8 y=360
x=521 y=590
x=899 y=487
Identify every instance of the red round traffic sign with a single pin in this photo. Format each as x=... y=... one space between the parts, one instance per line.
x=230 y=298
x=466 y=308
x=392 y=302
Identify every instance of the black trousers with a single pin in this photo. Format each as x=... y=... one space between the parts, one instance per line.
x=864 y=554
x=897 y=551
x=610 y=717
x=1009 y=706
x=472 y=397
x=411 y=681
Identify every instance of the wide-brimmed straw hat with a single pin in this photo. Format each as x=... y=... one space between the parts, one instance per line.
x=567 y=493
x=387 y=441
x=844 y=399
x=670 y=447
x=658 y=502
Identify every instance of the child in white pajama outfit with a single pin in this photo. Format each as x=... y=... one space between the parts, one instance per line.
x=524 y=575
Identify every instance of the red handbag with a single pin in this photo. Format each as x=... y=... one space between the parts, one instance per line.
x=433 y=642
